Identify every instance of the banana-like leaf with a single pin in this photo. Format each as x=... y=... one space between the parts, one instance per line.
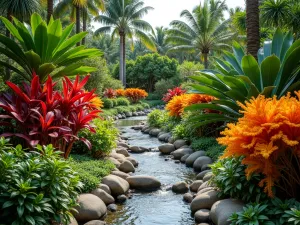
x=68 y=53
x=208 y=90
x=235 y=83
x=41 y=40
x=236 y=95
x=287 y=42
x=33 y=59
x=26 y=36
x=13 y=30
x=277 y=42
x=232 y=60
x=35 y=21
x=54 y=32
x=267 y=48
x=65 y=34
x=45 y=70
x=238 y=51
x=209 y=81
x=269 y=67
x=251 y=70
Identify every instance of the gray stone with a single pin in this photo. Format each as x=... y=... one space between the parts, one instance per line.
x=105 y=188
x=117 y=185
x=126 y=167
x=121 y=158
x=128 y=114
x=204 y=201
x=223 y=209
x=201 y=216
x=105 y=197
x=183 y=158
x=114 y=161
x=90 y=208
x=154 y=132
x=122 y=144
x=208 y=176
x=73 y=222
x=143 y=182
x=192 y=158
x=120 y=174
x=122 y=198
x=188 y=197
x=181 y=152
x=123 y=151
x=146 y=131
x=180 y=187
x=205 y=167
x=166 y=148
x=203 y=190
x=136 y=149
x=164 y=136
x=177 y=161
x=179 y=143
x=134 y=162
x=205 y=185
x=171 y=140
x=195 y=185
x=202 y=174
x=144 y=128
x=95 y=222
x=202 y=160
x=112 y=207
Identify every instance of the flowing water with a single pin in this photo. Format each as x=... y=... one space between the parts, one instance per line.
x=159 y=207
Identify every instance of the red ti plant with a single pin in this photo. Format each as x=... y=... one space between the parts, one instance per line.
x=109 y=93
x=173 y=92
x=43 y=116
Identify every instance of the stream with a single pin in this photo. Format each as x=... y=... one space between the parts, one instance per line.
x=159 y=207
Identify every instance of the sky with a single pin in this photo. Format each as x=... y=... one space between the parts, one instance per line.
x=167 y=10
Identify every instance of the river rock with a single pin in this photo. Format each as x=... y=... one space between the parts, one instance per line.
x=112 y=207
x=126 y=167
x=114 y=161
x=181 y=152
x=201 y=216
x=120 y=174
x=143 y=182
x=208 y=176
x=166 y=148
x=136 y=149
x=183 y=158
x=128 y=114
x=121 y=158
x=105 y=197
x=154 y=132
x=205 y=185
x=202 y=160
x=144 y=128
x=73 y=222
x=122 y=144
x=164 y=137
x=171 y=140
x=179 y=143
x=105 y=188
x=192 y=158
x=146 y=131
x=180 y=187
x=134 y=162
x=223 y=209
x=117 y=185
x=203 y=190
x=95 y=222
x=205 y=167
x=188 y=197
x=202 y=174
x=122 y=151
x=195 y=185
x=90 y=207
x=204 y=201
x=121 y=198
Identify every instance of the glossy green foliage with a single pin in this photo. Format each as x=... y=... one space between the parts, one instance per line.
x=44 y=49
x=203 y=143
x=36 y=187
x=215 y=151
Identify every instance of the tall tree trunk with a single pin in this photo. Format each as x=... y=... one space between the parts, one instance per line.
x=7 y=70
x=252 y=21
x=84 y=21
x=49 y=9
x=121 y=72
x=124 y=61
x=205 y=60
x=77 y=22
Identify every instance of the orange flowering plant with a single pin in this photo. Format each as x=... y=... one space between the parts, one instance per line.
x=120 y=92
x=178 y=103
x=135 y=94
x=268 y=137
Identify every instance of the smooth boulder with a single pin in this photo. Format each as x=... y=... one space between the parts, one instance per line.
x=154 y=132
x=122 y=151
x=192 y=158
x=134 y=162
x=117 y=185
x=202 y=216
x=180 y=187
x=90 y=207
x=223 y=209
x=136 y=149
x=195 y=185
x=179 y=143
x=166 y=148
x=122 y=144
x=208 y=176
x=181 y=152
x=183 y=158
x=202 y=174
x=188 y=197
x=114 y=161
x=143 y=182
x=95 y=222
x=126 y=167
x=105 y=188
x=201 y=161
x=105 y=197
x=164 y=136
x=204 y=201
x=73 y=222
x=120 y=174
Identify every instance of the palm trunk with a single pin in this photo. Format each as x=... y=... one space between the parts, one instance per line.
x=7 y=70
x=84 y=22
x=121 y=72
x=124 y=62
x=252 y=21
x=49 y=9
x=205 y=59
x=77 y=22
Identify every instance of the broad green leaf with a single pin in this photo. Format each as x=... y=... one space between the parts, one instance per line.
x=30 y=220
x=13 y=30
x=230 y=103
x=45 y=70
x=26 y=76
x=86 y=53
x=26 y=36
x=251 y=70
x=234 y=63
x=65 y=34
x=236 y=95
x=12 y=46
x=222 y=108
x=287 y=43
x=70 y=52
x=238 y=51
x=41 y=40
x=207 y=90
x=54 y=34
x=7 y=204
x=294 y=87
x=33 y=59
x=267 y=48
x=277 y=42
x=236 y=84
x=268 y=91
x=269 y=68
x=36 y=19
x=253 y=92
x=208 y=81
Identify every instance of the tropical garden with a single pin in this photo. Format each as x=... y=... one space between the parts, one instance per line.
x=223 y=81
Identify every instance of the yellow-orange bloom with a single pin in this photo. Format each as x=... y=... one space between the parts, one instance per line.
x=97 y=102
x=268 y=136
x=120 y=92
x=135 y=94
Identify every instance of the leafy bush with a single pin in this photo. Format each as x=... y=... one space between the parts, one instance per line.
x=153 y=118
x=103 y=140
x=40 y=115
x=145 y=105
x=171 y=93
x=36 y=187
x=153 y=96
x=108 y=103
x=135 y=94
x=180 y=132
x=215 y=151
x=203 y=143
x=90 y=171
x=229 y=177
x=110 y=82
x=122 y=109
x=122 y=101
x=162 y=86
x=268 y=137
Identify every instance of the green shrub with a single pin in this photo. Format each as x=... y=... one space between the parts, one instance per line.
x=145 y=105
x=162 y=87
x=110 y=82
x=154 y=117
x=229 y=177
x=153 y=96
x=203 y=143
x=122 y=109
x=215 y=151
x=153 y=103
x=90 y=171
x=122 y=101
x=107 y=103
x=103 y=141
x=114 y=101
x=139 y=107
x=180 y=131
x=109 y=112
x=36 y=187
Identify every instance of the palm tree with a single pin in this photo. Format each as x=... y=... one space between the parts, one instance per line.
x=275 y=12
x=252 y=22
x=159 y=38
x=202 y=31
x=123 y=18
